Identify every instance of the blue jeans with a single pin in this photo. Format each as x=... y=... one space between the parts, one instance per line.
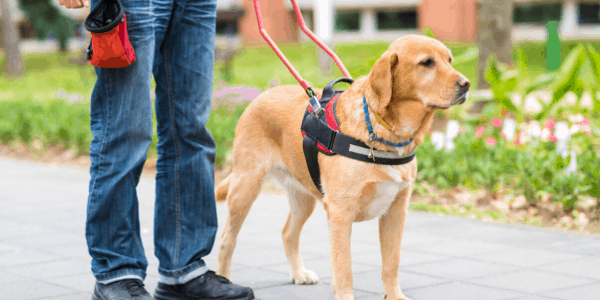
x=174 y=40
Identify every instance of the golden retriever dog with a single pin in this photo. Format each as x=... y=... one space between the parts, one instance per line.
x=407 y=84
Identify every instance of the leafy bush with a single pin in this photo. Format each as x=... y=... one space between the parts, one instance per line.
x=505 y=81
x=59 y=123
x=484 y=158
x=49 y=123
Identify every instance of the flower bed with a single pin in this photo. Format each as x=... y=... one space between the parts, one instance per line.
x=552 y=163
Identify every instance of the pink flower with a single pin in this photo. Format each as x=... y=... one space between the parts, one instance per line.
x=550 y=123
x=479 y=131
x=586 y=121
x=496 y=122
x=490 y=140
x=552 y=138
x=518 y=142
x=502 y=134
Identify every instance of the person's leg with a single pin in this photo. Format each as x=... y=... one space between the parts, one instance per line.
x=185 y=221
x=121 y=122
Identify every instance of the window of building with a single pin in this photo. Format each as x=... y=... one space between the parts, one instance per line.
x=537 y=14
x=227 y=22
x=227 y=27
x=389 y=20
x=589 y=13
x=347 y=21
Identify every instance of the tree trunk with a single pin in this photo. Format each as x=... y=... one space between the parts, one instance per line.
x=14 y=61
x=324 y=15
x=494 y=33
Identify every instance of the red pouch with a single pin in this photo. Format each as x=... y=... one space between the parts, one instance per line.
x=110 y=47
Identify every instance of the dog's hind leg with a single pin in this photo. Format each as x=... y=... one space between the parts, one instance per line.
x=243 y=190
x=301 y=207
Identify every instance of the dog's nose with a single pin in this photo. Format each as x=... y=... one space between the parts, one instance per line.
x=464 y=84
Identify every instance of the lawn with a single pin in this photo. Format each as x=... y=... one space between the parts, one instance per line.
x=256 y=66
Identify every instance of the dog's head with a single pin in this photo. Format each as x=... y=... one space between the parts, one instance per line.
x=417 y=68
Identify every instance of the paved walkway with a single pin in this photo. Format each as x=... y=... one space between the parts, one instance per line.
x=43 y=254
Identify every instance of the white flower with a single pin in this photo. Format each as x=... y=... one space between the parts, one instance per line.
x=574 y=129
x=444 y=141
x=545 y=134
x=534 y=129
x=452 y=129
x=437 y=139
x=508 y=128
x=561 y=130
x=575 y=118
x=449 y=146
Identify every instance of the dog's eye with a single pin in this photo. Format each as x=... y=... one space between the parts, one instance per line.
x=427 y=63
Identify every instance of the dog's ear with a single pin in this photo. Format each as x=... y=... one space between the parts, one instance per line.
x=380 y=78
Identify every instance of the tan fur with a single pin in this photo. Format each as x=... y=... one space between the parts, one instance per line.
x=268 y=141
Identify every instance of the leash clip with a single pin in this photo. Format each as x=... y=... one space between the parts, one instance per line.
x=372 y=138
x=314 y=102
x=316 y=107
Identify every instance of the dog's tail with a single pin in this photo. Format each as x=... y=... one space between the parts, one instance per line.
x=222 y=189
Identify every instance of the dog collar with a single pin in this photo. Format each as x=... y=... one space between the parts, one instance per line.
x=373 y=134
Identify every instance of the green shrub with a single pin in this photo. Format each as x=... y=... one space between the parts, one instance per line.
x=50 y=123
x=59 y=123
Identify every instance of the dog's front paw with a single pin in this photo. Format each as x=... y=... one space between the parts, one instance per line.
x=305 y=276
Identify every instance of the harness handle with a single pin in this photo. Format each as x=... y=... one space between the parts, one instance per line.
x=312 y=36
x=307 y=31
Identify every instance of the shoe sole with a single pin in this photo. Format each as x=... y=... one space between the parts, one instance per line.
x=161 y=294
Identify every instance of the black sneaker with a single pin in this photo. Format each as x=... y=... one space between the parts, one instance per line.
x=121 y=290
x=206 y=287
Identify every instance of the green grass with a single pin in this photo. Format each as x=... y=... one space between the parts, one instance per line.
x=357 y=57
x=46 y=73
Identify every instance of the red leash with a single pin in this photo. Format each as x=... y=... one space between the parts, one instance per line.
x=264 y=34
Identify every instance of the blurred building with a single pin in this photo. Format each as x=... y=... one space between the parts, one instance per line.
x=451 y=20
x=454 y=20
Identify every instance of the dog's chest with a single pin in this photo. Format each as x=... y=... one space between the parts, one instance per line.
x=385 y=194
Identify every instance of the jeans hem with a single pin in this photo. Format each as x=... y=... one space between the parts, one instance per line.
x=120 y=275
x=183 y=275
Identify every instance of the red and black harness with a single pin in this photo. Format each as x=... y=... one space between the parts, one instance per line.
x=321 y=132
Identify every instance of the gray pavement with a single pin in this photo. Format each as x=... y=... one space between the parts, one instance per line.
x=43 y=254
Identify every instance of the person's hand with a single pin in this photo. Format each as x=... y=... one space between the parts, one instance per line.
x=74 y=3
